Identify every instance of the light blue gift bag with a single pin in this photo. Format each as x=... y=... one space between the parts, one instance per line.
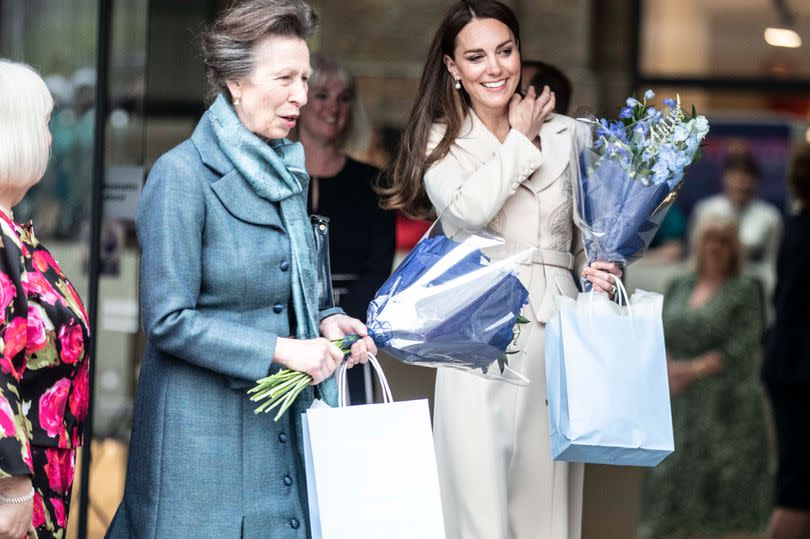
x=606 y=371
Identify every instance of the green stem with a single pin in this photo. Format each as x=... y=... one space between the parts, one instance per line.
x=282 y=388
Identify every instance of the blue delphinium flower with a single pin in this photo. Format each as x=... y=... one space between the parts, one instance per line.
x=670 y=103
x=649 y=94
x=626 y=113
x=681 y=133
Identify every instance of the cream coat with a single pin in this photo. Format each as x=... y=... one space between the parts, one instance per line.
x=492 y=440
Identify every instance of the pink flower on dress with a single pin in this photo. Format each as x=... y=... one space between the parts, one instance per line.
x=72 y=341
x=43 y=260
x=28 y=459
x=7 y=294
x=59 y=469
x=37 y=333
x=52 y=408
x=14 y=338
x=7 y=426
x=79 y=397
x=59 y=512
x=77 y=299
x=38 y=517
x=36 y=283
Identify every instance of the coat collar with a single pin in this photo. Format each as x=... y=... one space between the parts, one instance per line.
x=208 y=147
x=555 y=143
x=231 y=188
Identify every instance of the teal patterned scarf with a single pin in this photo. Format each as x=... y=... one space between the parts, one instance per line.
x=276 y=171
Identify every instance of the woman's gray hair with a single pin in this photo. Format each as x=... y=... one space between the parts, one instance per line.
x=228 y=44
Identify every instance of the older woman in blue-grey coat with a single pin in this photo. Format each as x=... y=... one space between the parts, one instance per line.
x=228 y=285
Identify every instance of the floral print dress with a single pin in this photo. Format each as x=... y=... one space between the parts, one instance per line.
x=43 y=373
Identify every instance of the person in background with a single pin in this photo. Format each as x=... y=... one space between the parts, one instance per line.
x=481 y=155
x=786 y=368
x=540 y=74
x=44 y=391
x=361 y=235
x=717 y=480
x=760 y=222
x=229 y=296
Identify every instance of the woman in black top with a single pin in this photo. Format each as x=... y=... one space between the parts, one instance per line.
x=786 y=367
x=361 y=235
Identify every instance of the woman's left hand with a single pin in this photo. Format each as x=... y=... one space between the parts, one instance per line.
x=601 y=274
x=339 y=325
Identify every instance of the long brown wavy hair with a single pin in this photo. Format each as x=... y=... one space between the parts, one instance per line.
x=401 y=187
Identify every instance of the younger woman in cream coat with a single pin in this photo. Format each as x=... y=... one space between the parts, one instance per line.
x=481 y=155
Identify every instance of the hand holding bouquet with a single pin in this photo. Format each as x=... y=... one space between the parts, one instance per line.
x=451 y=303
x=311 y=361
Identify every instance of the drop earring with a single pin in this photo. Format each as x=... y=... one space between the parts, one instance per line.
x=237 y=101
x=458 y=84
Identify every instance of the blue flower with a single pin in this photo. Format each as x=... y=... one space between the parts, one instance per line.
x=681 y=133
x=660 y=172
x=649 y=94
x=652 y=115
x=626 y=113
x=632 y=102
x=670 y=102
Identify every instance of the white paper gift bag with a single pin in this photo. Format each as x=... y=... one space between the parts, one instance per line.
x=371 y=469
x=606 y=373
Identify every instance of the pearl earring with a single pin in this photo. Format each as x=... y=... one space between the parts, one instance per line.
x=236 y=102
x=458 y=84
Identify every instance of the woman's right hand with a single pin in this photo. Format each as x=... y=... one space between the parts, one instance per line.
x=527 y=114
x=15 y=518
x=316 y=357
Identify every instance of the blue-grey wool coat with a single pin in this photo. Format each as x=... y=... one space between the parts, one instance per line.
x=215 y=290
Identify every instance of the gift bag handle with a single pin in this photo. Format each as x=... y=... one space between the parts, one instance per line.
x=342 y=380
x=621 y=294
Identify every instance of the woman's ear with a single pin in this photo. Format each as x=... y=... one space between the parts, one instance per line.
x=451 y=67
x=235 y=88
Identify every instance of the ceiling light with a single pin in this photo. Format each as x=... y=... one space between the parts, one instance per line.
x=782 y=37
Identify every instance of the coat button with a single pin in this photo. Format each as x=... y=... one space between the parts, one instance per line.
x=294 y=523
x=282 y=438
x=284 y=266
x=287 y=480
x=277 y=308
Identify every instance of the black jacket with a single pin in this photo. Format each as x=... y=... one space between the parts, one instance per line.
x=787 y=349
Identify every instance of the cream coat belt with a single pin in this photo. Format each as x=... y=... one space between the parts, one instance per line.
x=547 y=257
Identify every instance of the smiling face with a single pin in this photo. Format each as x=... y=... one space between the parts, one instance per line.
x=716 y=254
x=486 y=61
x=330 y=103
x=271 y=97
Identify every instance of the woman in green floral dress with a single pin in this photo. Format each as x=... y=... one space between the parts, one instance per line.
x=717 y=482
